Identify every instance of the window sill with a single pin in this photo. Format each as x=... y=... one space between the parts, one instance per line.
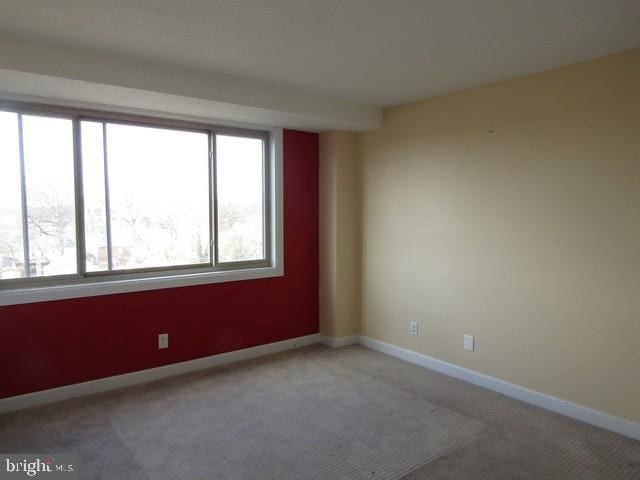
x=109 y=287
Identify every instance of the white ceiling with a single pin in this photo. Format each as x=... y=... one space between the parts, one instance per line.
x=374 y=52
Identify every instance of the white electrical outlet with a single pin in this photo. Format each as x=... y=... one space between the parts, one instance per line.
x=413 y=328
x=163 y=340
x=469 y=343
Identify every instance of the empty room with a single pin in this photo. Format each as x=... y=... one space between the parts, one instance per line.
x=323 y=240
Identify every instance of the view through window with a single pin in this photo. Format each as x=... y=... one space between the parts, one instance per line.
x=135 y=197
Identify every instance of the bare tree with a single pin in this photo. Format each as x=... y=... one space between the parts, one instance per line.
x=50 y=214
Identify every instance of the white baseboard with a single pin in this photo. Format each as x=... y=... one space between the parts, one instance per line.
x=118 y=381
x=564 y=407
x=338 y=342
x=548 y=402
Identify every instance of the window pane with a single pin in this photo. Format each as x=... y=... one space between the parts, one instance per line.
x=48 y=158
x=95 y=219
x=11 y=242
x=159 y=196
x=240 y=198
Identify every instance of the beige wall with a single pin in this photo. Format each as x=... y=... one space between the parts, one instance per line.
x=339 y=235
x=511 y=212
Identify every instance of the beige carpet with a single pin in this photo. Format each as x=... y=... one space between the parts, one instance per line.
x=318 y=413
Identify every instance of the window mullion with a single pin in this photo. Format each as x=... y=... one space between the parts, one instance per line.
x=23 y=195
x=213 y=204
x=266 y=201
x=107 y=204
x=79 y=197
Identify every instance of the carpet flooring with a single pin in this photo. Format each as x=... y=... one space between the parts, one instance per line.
x=318 y=413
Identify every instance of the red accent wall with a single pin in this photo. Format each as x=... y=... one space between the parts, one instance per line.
x=49 y=344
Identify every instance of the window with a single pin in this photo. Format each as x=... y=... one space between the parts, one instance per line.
x=146 y=197
x=88 y=197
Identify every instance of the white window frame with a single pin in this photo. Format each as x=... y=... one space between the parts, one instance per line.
x=45 y=289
